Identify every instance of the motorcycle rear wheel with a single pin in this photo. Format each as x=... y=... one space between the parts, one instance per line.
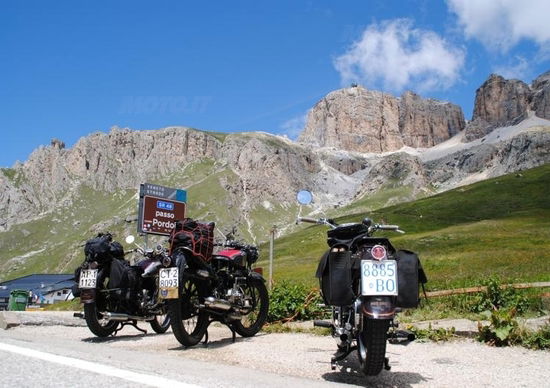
x=371 y=347
x=96 y=323
x=251 y=323
x=188 y=322
x=161 y=323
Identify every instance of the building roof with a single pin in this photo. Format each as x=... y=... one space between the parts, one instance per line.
x=37 y=283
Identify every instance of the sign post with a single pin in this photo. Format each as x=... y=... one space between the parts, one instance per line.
x=159 y=208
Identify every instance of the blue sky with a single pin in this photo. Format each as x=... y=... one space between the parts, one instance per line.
x=70 y=68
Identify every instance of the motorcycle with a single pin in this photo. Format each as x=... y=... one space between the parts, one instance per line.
x=366 y=282
x=213 y=287
x=115 y=293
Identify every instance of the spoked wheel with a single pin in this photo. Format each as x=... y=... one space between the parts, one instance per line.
x=161 y=323
x=371 y=347
x=97 y=325
x=188 y=323
x=257 y=301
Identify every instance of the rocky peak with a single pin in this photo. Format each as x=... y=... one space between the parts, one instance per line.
x=354 y=119
x=357 y=119
x=501 y=102
x=56 y=143
x=541 y=96
x=428 y=122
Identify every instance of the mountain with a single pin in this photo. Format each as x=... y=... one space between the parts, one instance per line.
x=357 y=119
x=404 y=148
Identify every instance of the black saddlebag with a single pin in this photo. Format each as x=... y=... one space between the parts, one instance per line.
x=335 y=276
x=123 y=276
x=409 y=275
x=102 y=249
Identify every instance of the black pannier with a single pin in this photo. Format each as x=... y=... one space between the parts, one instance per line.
x=335 y=275
x=409 y=275
x=197 y=236
x=122 y=275
x=102 y=249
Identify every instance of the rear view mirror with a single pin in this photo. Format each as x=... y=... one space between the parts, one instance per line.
x=304 y=197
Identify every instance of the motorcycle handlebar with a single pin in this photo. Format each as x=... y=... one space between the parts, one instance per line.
x=395 y=228
x=307 y=219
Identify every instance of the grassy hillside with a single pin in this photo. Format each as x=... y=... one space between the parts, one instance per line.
x=496 y=227
x=53 y=242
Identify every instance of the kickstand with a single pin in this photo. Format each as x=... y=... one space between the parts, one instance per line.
x=205 y=342
x=340 y=356
x=210 y=321
x=387 y=365
x=131 y=323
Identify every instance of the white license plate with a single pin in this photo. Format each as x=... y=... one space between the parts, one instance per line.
x=88 y=278
x=168 y=283
x=378 y=277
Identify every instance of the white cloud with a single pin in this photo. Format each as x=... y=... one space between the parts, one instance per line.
x=396 y=56
x=500 y=24
x=519 y=70
x=293 y=127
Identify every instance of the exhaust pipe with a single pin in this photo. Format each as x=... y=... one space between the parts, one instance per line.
x=217 y=304
x=125 y=317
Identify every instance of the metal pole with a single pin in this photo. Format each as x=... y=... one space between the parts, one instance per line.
x=271 y=241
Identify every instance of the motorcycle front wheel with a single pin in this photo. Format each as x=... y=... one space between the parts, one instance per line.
x=255 y=293
x=188 y=322
x=95 y=322
x=371 y=347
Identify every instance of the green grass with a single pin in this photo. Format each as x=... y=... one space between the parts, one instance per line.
x=58 y=237
x=497 y=227
x=9 y=173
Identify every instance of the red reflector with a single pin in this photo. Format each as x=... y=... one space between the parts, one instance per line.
x=378 y=252
x=259 y=270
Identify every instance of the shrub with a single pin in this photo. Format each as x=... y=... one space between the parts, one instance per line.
x=289 y=301
x=496 y=298
x=502 y=330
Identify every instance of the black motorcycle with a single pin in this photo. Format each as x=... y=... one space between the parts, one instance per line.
x=366 y=281
x=213 y=287
x=115 y=293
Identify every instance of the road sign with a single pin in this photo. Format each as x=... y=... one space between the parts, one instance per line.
x=159 y=208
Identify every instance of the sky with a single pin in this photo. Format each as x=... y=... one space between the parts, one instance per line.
x=71 y=68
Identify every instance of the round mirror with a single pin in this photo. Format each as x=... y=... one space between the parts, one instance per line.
x=130 y=239
x=304 y=197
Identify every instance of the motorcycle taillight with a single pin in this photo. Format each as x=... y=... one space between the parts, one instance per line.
x=259 y=270
x=378 y=252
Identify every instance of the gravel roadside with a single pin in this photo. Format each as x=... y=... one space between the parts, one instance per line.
x=459 y=363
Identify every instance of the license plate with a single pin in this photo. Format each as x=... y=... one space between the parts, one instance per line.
x=88 y=278
x=378 y=277
x=168 y=283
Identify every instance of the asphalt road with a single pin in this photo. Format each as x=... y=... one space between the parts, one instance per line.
x=69 y=356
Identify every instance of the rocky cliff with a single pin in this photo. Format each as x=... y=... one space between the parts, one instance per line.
x=500 y=102
x=357 y=119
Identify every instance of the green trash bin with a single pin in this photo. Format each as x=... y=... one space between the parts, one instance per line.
x=18 y=300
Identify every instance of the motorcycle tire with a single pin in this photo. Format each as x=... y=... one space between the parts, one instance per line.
x=371 y=347
x=94 y=321
x=251 y=323
x=188 y=322
x=161 y=323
